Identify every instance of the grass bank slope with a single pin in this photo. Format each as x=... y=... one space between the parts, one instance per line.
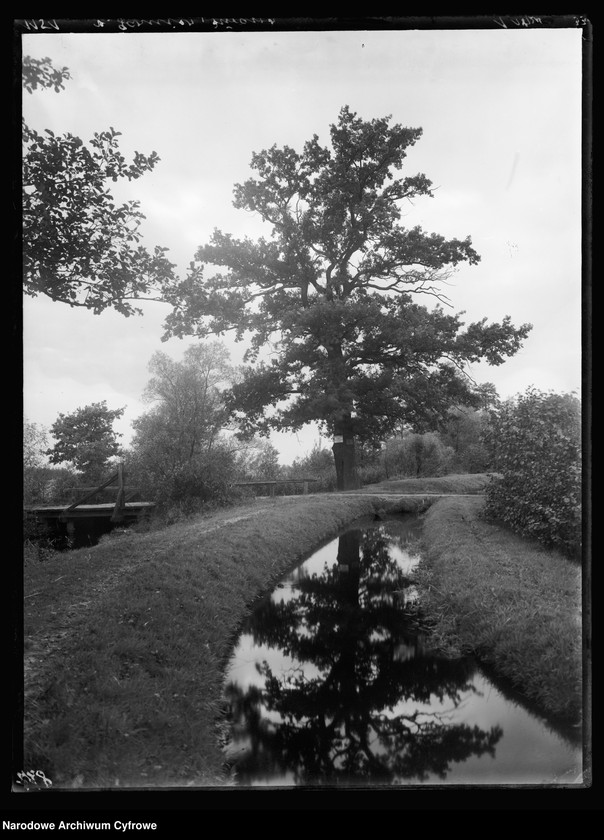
x=463 y=484
x=126 y=642
x=512 y=603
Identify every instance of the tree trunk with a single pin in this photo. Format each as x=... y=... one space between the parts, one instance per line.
x=343 y=443
x=349 y=552
x=344 y=455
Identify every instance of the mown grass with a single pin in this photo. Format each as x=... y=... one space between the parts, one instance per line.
x=126 y=642
x=512 y=603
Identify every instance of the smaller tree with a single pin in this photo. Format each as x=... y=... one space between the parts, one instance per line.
x=535 y=444
x=179 y=453
x=35 y=443
x=187 y=413
x=86 y=439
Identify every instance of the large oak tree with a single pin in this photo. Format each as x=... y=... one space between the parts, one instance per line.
x=332 y=293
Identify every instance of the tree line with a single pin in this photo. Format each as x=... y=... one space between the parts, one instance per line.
x=186 y=445
x=186 y=454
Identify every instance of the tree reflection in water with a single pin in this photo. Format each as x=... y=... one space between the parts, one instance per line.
x=353 y=706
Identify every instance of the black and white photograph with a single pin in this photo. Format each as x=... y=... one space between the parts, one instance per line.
x=305 y=388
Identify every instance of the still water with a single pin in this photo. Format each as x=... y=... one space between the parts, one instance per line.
x=332 y=682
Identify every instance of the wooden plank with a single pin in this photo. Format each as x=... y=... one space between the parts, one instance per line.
x=102 y=506
x=273 y=481
x=90 y=495
x=131 y=490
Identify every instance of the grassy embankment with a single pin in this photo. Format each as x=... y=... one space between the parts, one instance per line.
x=507 y=600
x=513 y=604
x=126 y=642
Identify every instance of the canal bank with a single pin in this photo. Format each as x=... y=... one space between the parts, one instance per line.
x=509 y=601
x=126 y=643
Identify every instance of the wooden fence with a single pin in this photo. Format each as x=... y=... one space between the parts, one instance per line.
x=272 y=483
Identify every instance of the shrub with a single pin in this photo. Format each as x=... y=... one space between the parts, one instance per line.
x=186 y=488
x=416 y=456
x=40 y=543
x=535 y=444
x=372 y=474
x=462 y=431
x=319 y=464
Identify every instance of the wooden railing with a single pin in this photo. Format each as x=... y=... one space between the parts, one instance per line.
x=272 y=483
x=117 y=479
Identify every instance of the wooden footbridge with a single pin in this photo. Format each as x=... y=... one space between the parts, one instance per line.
x=61 y=517
x=84 y=520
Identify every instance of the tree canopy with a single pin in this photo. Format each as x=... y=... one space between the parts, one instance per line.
x=187 y=413
x=332 y=294
x=79 y=246
x=86 y=439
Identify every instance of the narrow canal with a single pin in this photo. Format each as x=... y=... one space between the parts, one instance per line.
x=332 y=682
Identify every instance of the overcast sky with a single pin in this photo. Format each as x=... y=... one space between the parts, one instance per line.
x=500 y=111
